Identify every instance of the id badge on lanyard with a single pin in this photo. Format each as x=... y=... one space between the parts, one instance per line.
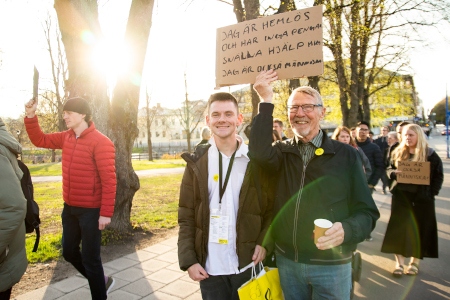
x=218 y=223
x=218 y=227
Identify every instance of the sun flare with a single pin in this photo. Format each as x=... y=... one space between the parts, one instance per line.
x=111 y=58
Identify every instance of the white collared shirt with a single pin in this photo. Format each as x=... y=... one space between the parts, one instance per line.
x=223 y=259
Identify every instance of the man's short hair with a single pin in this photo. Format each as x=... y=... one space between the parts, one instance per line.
x=278 y=121
x=309 y=91
x=222 y=96
x=402 y=123
x=363 y=123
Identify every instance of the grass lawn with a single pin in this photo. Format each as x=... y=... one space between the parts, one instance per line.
x=155 y=206
x=54 y=169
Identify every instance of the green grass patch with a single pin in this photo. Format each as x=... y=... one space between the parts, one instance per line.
x=157 y=164
x=47 y=169
x=155 y=206
x=54 y=169
x=49 y=247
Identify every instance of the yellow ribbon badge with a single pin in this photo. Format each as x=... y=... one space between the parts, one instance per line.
x=318 y=152
x=216 y=177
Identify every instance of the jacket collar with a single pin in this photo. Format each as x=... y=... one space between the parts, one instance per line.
x=367 y=141
x=327 y=145
x=88 y=130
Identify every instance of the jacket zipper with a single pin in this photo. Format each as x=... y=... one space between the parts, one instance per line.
x=297 y=205
x=70 y=167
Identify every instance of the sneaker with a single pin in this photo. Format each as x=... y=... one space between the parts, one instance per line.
x=369 y=239
x=109 y=284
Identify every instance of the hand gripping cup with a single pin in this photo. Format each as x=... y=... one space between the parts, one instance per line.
x=320 y=226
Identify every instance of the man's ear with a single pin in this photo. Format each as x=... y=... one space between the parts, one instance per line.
x=240 y=119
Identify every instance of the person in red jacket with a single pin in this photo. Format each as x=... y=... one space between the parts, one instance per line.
x=89 y=187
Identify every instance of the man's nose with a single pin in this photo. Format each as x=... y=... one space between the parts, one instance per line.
x=300 y=112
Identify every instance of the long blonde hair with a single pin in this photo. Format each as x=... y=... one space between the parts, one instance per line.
x=401 y=153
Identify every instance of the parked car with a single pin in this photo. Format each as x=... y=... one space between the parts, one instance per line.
x=445 y=131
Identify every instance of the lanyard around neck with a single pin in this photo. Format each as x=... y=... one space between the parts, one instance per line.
x=230 y=166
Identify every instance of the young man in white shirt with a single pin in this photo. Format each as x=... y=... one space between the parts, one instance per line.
x=225 y=207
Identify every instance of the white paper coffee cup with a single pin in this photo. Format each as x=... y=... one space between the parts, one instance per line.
x=320 y=226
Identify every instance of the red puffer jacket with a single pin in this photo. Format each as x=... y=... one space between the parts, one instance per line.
x=88 y=165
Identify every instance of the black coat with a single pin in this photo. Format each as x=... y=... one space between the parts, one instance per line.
x=373 y=153
x=412 y=227
x=331 y=186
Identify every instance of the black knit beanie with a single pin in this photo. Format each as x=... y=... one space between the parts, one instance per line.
x=78 y=105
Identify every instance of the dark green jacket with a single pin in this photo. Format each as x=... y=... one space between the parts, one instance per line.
x=13 y=259
x=253 y=218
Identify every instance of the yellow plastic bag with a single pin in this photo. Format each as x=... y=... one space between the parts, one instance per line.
x=265 y=286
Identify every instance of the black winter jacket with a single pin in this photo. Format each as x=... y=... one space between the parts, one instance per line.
x=253 y=218
x=331 y=186
x=375 y=157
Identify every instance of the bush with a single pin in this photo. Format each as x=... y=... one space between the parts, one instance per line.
x=171 y=156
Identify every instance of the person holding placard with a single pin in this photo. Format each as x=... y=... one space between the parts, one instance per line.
x=317 y=178
x=412 y=227
x=224 y=207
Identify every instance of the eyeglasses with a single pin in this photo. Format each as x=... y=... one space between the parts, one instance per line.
x=307 y=108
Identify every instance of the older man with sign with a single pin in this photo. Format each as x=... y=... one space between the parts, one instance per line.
x=318 y=178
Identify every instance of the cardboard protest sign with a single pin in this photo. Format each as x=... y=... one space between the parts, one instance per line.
x=414 y=172
x=290 y=43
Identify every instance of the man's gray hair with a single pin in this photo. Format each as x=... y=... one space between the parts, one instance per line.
x=206 y=133
x=308 y=91
x=393 y=134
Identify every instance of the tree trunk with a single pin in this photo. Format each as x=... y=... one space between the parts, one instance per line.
x=293 y=84
x=313 y=82
x=149 y=137
x=124 y=112
x=249 y=11
x=255 y=102
x=76 y=18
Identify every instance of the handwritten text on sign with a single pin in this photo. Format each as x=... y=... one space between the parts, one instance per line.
x=290 y=43
x=414 y=172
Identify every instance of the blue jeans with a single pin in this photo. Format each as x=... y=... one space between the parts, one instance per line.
x=303 y=281
x=81 y=225
x=224 y=287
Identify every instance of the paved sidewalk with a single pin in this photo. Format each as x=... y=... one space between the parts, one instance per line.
x=150 y=273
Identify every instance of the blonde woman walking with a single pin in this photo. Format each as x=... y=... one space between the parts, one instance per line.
x=412 y=227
